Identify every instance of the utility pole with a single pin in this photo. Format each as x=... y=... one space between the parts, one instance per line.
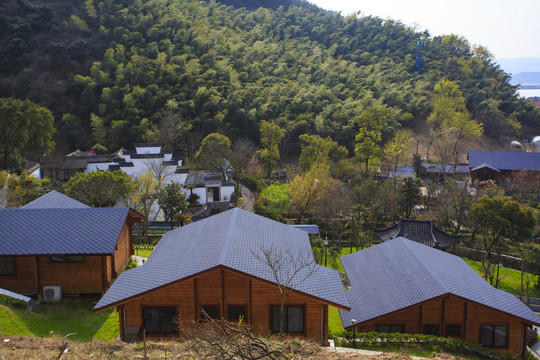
x=419 y=59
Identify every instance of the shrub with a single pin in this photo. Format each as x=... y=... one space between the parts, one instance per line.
x=373 y=339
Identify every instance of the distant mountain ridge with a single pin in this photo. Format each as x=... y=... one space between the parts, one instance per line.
x=520 y=65
x=526 y=79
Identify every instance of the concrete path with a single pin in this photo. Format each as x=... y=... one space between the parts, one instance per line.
x=249 y=198
x=536 y=349
x=362 y=352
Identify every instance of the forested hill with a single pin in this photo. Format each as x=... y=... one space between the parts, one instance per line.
x=108 y=68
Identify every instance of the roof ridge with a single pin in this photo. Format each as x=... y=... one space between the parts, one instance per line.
x=424 y=265
x=431 y=226
x=228 y=236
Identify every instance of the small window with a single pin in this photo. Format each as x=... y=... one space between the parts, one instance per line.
x=160 y=319
x=211 y=312
x=453 y=330
x=387 y=329
x=237 y=312
x=7 y=265
x=67 y=259
x=430 y=329
x=293 y=319
x=494 y=335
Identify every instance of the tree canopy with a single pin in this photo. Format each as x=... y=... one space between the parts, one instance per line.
x=26 y=130
x=307 y=70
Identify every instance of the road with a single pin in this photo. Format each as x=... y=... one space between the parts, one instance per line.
x=249 y=199
x=534 y=304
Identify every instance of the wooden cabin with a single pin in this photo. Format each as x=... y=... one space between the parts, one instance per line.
x=403 y=286
x=501 y=166
x=79 y=248
x=211 y=265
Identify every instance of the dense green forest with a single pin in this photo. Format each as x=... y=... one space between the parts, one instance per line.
x=108 y=69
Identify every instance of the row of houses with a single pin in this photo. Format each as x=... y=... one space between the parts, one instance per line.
x=215 y=266
x=209 y=186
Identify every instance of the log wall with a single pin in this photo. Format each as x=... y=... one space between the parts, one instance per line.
x=453 y=310
x=222 y=287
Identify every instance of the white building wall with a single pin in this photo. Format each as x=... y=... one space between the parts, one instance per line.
x=97 y=166
x=148 y=150
x=226 y=192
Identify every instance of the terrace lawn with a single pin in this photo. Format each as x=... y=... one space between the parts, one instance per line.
x=66 y=317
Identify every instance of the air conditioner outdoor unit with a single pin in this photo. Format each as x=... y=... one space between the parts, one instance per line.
x=52 y=293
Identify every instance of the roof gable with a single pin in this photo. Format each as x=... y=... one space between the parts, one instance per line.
x=421 y=231
x=400 y=273
x=60 y=231
x=55 y=199
x=504 y=160
x=228 y=239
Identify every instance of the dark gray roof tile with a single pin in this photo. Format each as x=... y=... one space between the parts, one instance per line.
x=229 y=239
x=505 y=160
x=60 y=231
x=54 y=199
x=400 y=273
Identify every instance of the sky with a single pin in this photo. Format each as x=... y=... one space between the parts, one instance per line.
x=508 y=28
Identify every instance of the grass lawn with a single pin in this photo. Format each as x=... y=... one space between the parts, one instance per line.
x=66 y=317
x=510 y=279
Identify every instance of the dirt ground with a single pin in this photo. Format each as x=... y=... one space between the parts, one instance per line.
x=421 y=143
x=32 y=348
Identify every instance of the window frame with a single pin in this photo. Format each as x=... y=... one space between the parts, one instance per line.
x=447 y=333
x=69 y=259
x=436 y=326
x=12 y=265
x=390 y=326
x=245 y=316
x=174 y=327
x=203 y=318
x=493 y=326
x=286 y=322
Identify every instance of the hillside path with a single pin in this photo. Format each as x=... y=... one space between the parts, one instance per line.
x=249 y=198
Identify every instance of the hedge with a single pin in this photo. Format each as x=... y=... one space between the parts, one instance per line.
x=446 y=344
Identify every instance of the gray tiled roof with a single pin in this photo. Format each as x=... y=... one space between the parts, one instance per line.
x=310 y=229
x=421 y=231
x=505 y=160
x=54 y=199
x=399 y=273
x=60 y=231
x=227 y=239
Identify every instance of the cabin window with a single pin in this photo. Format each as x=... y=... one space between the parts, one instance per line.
x=390 y=329
x=7 y=265
x=209 y=311
x=67 y=259
x=453 y=330
x=494 y=335
x=293 y=319
x=237 y=312
x=160 y=319
x=430 y=329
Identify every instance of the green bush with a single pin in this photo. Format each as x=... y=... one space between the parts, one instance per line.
x=248 y=180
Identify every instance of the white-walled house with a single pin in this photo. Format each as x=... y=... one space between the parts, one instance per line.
x=212 y=187
x=146 y=157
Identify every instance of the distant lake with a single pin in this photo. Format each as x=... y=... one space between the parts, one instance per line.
x=526 y=93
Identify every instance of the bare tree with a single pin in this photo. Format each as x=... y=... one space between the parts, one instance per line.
x=288 y=270
x=220 y=339
x=170 y=130
x=242 y=152
x=191 y=143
